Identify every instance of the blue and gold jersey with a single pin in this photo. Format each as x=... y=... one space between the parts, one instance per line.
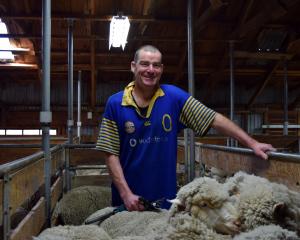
x=147 y=146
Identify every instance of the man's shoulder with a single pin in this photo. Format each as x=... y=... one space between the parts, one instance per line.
x=172 y=90
x=116 y=97
x=169 y=88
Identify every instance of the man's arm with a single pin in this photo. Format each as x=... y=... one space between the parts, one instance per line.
x=130 y=200
x=229 y=128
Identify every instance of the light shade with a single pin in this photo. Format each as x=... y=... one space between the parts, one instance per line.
x=5 y=56
x=119 y=28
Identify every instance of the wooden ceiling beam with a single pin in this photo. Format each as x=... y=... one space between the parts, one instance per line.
x=295 y=103
x=98 y=38
x=263 y=84
x=84 y=17
x=18 y=66
x=262 y=55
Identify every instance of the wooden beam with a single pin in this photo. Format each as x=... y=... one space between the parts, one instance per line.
x=244 y=29
x=84 y=17
x=264 y=84
x=295 y=103
x=262 y=55
x=18 y=66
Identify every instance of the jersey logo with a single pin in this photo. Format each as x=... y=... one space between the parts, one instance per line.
x=129 y=127
x=167 y=122
x=147 y=123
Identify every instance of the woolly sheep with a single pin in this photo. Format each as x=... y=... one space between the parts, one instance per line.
x=268 y=232
x=152 y=225
x=84 y=232
x=262 y=202
x=206 y=199
x=79 y=203
x=135 y=223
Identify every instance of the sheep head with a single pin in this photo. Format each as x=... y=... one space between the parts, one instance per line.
x=206 y=200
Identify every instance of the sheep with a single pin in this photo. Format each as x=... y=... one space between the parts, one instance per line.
x=83 y=232
x=262 y=202
x=80 y=202
x=153 y=225
x=268 y=232
x=134 y=223
x=205 y=199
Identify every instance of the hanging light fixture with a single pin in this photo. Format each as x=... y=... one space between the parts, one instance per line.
x=119 y=28
x=5 y=56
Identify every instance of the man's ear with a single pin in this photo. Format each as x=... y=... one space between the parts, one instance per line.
x=133 y=66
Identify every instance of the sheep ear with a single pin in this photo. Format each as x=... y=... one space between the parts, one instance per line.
x=175 y=200
x=279 y=210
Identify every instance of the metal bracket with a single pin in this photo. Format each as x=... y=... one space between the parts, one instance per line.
x=45 y=117
x=70 y=123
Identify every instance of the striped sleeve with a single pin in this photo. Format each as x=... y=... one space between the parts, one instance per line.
x=108 y=139
x=196 y=116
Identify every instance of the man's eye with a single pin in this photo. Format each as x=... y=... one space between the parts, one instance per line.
x=144 y=64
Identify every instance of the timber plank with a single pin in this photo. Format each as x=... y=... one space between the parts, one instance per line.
x=25 y=183
x=86 y=157
x=1 y=202
x=32 y=224
x=275 y=170
x=95 y=180
x=56 y=190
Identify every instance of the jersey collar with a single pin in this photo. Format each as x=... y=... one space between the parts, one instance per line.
x=127 y=99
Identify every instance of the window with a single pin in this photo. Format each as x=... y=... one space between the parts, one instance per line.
x=25 y=132
x=31 y=132
x=5 y=56
x=11 y=132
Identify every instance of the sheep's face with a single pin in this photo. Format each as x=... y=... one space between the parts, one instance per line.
x=206 y=200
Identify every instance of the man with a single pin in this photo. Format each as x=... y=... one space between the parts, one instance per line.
x=139 y=132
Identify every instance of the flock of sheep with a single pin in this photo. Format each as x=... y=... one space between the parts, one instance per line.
x=243 y=207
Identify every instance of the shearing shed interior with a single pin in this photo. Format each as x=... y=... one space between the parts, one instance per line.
x=58 y=69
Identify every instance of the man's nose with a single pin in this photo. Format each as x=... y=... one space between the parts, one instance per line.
x=150 y=68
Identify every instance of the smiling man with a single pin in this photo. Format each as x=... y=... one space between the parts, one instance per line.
x=139 y=131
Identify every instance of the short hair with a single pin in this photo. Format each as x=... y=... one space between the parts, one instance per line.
x=146 y=48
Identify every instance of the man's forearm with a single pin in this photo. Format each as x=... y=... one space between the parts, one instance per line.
x=116 y=172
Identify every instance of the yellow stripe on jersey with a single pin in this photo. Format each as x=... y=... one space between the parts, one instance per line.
x=196 y=116
x=108 y=139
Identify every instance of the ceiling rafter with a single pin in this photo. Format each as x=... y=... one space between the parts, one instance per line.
x=246 y=27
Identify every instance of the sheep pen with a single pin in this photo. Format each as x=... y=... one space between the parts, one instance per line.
x=243 y=207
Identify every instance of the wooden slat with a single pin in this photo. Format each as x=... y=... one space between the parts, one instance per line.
x=86 y=157
x=10 y=154
x=284 y=172
x=56 y=191
x=32 y=224
x=25 y=183
x=57 y=160
x=95 y=180
x=1 y=201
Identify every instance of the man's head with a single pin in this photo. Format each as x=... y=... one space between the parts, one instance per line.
x=147 y=66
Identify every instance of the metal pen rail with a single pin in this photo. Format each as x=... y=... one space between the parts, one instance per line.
x=21 y=162
x=288 y=157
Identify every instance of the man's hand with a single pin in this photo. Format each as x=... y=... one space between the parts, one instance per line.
x=132 y=202
x=261 y=149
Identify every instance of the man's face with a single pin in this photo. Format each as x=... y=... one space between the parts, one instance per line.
x=148 y=69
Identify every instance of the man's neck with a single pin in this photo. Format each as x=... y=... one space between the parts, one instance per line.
x=143 y=96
